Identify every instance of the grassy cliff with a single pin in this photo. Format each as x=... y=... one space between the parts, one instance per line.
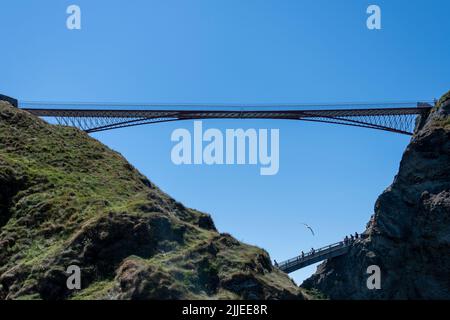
x=66 y=199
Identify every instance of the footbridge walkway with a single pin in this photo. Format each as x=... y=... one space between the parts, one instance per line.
x=327 y=252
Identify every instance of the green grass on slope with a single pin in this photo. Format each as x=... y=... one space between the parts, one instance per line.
x=60 y=186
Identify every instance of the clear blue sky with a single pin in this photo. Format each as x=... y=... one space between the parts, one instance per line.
x=246 y=51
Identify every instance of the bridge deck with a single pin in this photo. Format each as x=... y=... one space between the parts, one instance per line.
x=237 y=114
x=328 y=252
x=393 y=119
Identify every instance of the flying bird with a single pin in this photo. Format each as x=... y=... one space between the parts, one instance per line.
x=310 y=229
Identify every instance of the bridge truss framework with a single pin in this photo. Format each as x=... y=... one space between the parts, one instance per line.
x=400 y=120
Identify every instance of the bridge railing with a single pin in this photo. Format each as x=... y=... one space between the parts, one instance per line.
x=316 y=252
x=321 y=251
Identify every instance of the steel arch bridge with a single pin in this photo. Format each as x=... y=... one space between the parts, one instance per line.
x=93 y=117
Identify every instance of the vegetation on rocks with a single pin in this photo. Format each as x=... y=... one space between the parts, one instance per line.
x=66 y=199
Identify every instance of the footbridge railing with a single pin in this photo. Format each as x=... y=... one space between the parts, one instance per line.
x=306 y=259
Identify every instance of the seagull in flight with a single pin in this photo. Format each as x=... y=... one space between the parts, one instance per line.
x=310 y=229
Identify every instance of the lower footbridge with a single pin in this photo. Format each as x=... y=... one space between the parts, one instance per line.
x=306 y=259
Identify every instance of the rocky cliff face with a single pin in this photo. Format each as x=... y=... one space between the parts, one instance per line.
x=409 y=235
x=66 y=199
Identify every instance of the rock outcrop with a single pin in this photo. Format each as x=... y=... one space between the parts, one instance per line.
x=408 y=237
x=66 y=199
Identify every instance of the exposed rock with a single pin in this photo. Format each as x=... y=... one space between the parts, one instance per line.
x=409 y=235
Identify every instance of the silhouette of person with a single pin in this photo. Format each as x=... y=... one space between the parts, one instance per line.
x=303 y=254
x=356 y=235
x=352 y=238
